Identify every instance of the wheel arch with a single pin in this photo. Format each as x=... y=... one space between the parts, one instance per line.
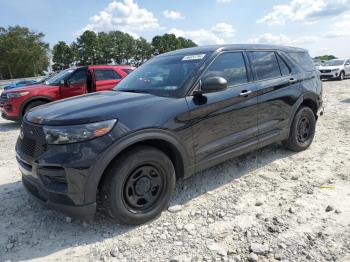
x=34 y=99
x=308 y=99
x=163 y=140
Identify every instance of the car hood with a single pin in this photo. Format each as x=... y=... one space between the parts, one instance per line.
x=329 y=67
x=27 y=88
x=89 y=108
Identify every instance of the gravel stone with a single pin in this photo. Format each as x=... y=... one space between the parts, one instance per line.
x=175 y=209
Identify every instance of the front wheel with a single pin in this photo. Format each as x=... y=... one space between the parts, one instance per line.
x=341 y=76
x=302 y=130
x=32 y=105
x=138 y=185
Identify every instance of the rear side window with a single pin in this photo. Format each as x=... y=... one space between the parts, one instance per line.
x=283 y=66
x=265 y=64
x=128 y=71
x=106 y=74
x=303 y=59
x=230 y=66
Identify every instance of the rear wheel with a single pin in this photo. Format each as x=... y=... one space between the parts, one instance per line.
x=302 y=131
x=138 y=185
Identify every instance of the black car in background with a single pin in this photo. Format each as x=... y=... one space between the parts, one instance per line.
x=179 y=113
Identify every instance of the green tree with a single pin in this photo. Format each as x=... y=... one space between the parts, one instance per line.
x=143 y=51
x=326 y=57
x=23 y=53
x=86 y=48
x=169 y=42
x=123 y=47
x=63 y=56
x=106 y=47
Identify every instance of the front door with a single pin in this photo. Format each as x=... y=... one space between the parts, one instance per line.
x=224 y=123
x=347 y=67
x=75 y=85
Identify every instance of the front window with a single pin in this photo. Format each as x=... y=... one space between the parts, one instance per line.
x=334 y=62
x=163 y=76
x=56 y=79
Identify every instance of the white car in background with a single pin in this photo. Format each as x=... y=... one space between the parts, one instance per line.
x=335 y=69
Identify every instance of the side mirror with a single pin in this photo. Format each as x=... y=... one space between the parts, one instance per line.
x=63 y=82
x=347 y=64
x=212 y=84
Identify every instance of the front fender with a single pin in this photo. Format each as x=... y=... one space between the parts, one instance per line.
x=116 y=148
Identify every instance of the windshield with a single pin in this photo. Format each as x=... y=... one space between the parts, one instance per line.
x=163 y=76
x=334 y=63
x=56 y=79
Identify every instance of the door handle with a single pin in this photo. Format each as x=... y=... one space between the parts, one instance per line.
x=245 y=93
x=292 y=81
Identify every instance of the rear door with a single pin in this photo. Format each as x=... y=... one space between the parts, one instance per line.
x=347 y=67
x=75 y=85
x=225 y=123
x=106 y=79
x=277 y=90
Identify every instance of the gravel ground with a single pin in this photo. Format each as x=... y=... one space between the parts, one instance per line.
x=269 y=205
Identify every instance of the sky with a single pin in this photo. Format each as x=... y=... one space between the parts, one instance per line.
x=321 y=26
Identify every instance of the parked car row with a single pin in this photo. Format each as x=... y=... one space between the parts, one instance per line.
x=334 y=69
x=20 y=84
x=14 y=103
x=177 y=114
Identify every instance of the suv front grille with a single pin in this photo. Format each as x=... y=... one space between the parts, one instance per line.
x=3 y=99
x=31 y=141
x=325 y=71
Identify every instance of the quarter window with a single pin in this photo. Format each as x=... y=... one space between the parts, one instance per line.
x=230 y=66
x=303 y=59
x=106 y=75
x=265 y=64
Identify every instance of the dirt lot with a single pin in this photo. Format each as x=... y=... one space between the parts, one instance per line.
x=264 y=206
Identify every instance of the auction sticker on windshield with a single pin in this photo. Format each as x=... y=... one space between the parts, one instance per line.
x=193 y=57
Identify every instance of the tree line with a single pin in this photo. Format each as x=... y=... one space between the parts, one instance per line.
x=24 y=53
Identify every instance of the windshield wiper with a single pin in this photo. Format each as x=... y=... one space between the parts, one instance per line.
x=133 y=90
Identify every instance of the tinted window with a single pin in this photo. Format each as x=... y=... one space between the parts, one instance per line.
x=283 y=66
x=106 y=75
x=230 y=66
x=347 y=61
x=303 y=59
x=128 y=71
x=164 y=75
x=265 y=64
x=79 y=77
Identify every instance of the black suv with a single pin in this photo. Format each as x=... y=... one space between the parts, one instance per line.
x=179 y=113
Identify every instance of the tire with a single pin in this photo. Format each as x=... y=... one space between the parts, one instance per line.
x=302 y=130
x=138 y=185
x=341 y=76
x=32 y=105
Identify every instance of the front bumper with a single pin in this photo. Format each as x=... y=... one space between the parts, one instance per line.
x=52 y=197
x=9 y=111
x=329 y=75
x=59 y=176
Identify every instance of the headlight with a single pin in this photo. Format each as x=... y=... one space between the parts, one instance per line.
x=77 y=133
x=334 y=70
x=16 y=94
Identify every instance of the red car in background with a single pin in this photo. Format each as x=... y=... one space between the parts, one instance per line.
x=70 y=82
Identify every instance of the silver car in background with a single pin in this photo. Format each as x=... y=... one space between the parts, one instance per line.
x=335 y=69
